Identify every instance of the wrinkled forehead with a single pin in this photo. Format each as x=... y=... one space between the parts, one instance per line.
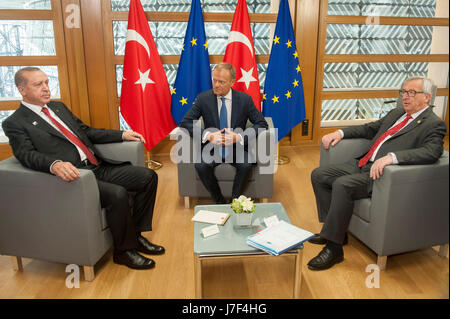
x=416 y=85
x=221 y=73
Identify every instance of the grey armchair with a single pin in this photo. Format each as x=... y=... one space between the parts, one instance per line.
x=260 y=183
x=44 y=217
x=409 y=207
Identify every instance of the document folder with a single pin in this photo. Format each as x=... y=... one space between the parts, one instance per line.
x=279 y=238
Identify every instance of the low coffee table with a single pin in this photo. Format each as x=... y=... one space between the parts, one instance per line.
x=231 y=241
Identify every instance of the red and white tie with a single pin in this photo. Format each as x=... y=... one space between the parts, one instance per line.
x=363 y=161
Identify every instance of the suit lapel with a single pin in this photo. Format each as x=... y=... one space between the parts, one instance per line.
x=64 y=116
x=234 y=108
x=215 y=107
x=32 y=118
x=415 y=123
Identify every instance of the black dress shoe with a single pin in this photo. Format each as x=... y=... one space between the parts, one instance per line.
x=326 y=259
x=318 y=240
x=132 y=259
x=146 y=247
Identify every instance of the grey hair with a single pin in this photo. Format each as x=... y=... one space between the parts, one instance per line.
x=427 y=86
x=19 y=79
x=227 y=66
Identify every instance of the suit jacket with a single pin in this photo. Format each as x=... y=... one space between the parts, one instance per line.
x=242 y=110
x=420 y=142
x=36 y=144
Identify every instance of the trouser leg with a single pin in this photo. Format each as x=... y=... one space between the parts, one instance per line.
x=336 y=188
x=206 y=174
x=243 y=171
x=115 y=181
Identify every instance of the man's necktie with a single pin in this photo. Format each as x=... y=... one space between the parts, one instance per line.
x=75 y=140
x=223 y=117
x=363 y=161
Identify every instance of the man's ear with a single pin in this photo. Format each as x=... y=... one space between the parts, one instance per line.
x=428 y=97
x=21 y=89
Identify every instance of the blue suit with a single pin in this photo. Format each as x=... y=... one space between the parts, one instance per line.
x=242 y=110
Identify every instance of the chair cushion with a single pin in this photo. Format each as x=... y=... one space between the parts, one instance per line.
x=362 y=209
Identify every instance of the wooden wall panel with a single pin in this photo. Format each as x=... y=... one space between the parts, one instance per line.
x=306 y=30
x=76 y=62
x=94 y=50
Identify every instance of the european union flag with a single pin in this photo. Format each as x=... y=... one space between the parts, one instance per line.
x=194 y=73
x=283 y=91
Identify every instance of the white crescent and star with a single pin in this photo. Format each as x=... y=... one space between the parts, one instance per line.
x=236 y=36
x=247 y=76
x=133 y=35
x=144 y=77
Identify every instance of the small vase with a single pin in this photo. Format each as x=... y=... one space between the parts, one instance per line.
x=244 y=219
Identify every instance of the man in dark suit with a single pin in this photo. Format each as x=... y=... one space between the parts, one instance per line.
x=46 y=136
x=412 y=135
x=225 y=113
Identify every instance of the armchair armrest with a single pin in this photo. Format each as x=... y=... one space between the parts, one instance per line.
x=343 y=151
x=131 y=151
x=54 y=220
x=408 y=200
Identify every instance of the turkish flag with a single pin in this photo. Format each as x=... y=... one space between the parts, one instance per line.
x=240 y=52
x=145 y=98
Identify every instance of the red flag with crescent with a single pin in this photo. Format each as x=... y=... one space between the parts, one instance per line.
x=240 y=52
x=145 y=98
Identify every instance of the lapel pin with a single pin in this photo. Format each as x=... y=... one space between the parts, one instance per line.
x=34 y=123
x=419 y=121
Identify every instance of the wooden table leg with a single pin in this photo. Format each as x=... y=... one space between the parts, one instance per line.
x=298 y=273
x=198 y=276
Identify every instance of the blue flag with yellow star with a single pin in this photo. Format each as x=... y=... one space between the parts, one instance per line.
x=283 y=90
x=194 y=73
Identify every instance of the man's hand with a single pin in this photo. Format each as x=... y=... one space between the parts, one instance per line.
x=231 y=137
x=130 y=135
x=66 y=171
x=332 y=138
x=376 y=171
x=217 y=137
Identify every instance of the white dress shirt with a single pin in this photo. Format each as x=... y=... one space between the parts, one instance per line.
x=228 y=103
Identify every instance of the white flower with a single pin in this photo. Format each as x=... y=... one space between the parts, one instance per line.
x=247 y=205
x=241 y=198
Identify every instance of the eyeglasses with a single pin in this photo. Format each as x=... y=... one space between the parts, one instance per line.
x=411 y=93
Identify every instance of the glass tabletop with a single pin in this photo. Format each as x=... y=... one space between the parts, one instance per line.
x=232 y=239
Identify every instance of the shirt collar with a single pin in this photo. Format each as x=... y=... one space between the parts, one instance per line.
x=227 y=96
x=35 y=108
x=415 y=115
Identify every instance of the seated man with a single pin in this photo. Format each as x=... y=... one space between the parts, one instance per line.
x=224 y=111
x=405 y=136
x=46 y=136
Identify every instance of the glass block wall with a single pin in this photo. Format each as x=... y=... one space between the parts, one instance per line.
x=351 y=39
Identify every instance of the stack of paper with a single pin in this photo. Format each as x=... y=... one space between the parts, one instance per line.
x=279 y=238
x=207 y=216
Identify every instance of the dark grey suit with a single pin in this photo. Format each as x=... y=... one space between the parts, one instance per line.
x=336 y=187
x=242 y=110
x=36 y=144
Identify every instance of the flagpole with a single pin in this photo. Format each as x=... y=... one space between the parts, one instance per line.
x=281 y=159
x=154 y=165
